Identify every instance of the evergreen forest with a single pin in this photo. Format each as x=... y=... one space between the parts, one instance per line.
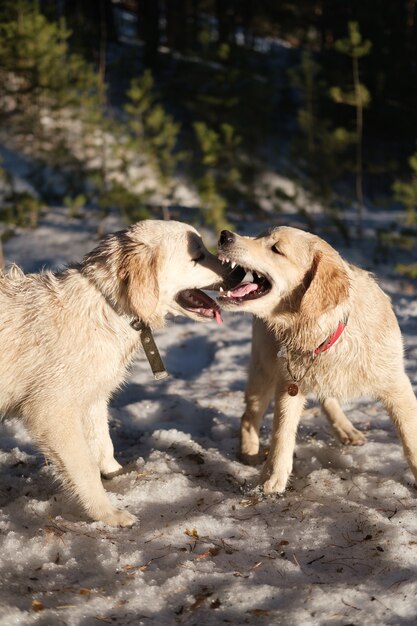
x=211 y=111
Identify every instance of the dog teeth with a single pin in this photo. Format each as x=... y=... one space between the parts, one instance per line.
x=248 y=277
x=224 y=259
x=233 y=265
x=229 y=295
x=221 y=290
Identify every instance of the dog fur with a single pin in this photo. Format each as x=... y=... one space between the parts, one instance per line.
x=66 y=343
x=312 y=290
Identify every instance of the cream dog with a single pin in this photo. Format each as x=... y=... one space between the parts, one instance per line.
x=67 y=338
x=325 y=327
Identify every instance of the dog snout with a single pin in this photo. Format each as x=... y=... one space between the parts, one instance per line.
x=226 y=237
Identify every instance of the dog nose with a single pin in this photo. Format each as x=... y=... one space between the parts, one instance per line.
x=226 y=237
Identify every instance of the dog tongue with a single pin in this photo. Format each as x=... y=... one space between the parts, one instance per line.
x=218 y=316
x=243 y=289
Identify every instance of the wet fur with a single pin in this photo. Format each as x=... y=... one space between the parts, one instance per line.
x=66 y=343
x=313 y=289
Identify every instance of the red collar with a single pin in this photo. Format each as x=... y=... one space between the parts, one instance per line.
x=330 y=341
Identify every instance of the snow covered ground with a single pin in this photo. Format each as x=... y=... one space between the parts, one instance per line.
x=339 y=548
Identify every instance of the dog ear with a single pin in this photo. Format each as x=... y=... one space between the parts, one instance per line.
x=327 y=285
x=138 y=271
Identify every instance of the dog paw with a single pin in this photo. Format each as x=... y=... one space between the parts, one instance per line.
x=249 y=443
x=117 y=517
x=275 y=484
x=248 y=447
x=351 y=436
x=126 y=469
x=274 y=478
x=252 y=458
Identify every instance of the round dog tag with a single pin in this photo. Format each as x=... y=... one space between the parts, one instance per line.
x=292 y=389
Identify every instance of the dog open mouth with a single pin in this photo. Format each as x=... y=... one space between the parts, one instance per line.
x=253 y=285
x=197 y=302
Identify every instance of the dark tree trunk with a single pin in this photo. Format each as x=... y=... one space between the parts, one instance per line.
x=177 y=24
x=410 y=43
x=90 y=22
x=92 y=14
x=193 y=32
x=148 y=23
x=246 y=8
x=225 y=20
x=107 y=11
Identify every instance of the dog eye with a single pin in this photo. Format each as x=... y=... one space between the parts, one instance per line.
x=277 y=250
x=199 y=258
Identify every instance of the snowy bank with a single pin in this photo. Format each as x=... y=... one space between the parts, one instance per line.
x=340 y=547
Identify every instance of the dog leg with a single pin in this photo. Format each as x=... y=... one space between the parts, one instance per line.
x=96 y=429
x=342 y=426
x=64 y=443
x=278 y=466
x=259 y=390
x=401 y=403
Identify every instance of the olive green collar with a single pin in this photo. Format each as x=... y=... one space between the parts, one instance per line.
x=150 y=348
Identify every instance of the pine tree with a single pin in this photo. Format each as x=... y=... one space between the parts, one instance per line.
x=32 y=57
x=406 y=192
x=219 y=169
x=359 y=97
x=318 y=150
x=152 y=132
x=48 y=93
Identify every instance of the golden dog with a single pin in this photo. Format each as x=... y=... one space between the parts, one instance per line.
x=67 y=338
x=325 y=327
